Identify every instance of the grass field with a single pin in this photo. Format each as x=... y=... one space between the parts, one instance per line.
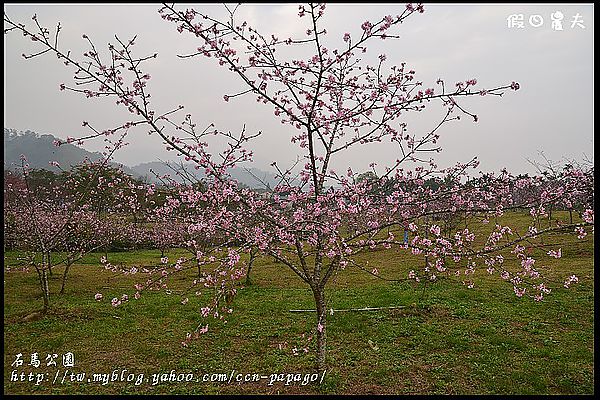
x=447 y=339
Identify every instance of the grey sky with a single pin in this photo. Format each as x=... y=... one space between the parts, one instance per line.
x=553 y=111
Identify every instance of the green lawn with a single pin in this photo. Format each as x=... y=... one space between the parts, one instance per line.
x=448 y=339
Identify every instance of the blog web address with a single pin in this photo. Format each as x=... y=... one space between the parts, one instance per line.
x=173 y=376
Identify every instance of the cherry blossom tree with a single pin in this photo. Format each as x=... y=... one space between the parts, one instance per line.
x=317 y=220
x=555 y=173
x=56 y=217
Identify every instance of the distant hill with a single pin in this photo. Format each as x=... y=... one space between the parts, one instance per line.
x=250 y=177
x=39 y=151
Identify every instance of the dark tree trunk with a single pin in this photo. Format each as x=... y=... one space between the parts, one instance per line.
x=49 y=261
x=571 y=215
x=319 y=295
x=43 y=275
x=426 y=237
x=45 y=291
x=64 y=277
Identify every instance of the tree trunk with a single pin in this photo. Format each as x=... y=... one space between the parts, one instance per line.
x=426 y=258
x=44 y=282
x=248 y=280
x=49 y=263
x=40 y=276
x=571 y=216
x=319 y=295
x=45 y=291
x=64 y=278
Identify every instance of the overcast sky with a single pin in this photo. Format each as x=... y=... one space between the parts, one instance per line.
x=552 y=112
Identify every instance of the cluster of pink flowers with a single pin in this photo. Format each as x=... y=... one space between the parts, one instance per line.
x=571 y=279
x=555 y=253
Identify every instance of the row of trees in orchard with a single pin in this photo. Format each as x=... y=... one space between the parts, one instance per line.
x=151 y=226
x=317 y=220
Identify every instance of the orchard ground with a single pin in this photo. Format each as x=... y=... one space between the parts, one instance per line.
x=447 y=338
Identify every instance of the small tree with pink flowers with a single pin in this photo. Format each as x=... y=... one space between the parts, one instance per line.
x=57 y=219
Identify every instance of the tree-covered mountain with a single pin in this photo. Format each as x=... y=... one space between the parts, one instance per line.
x=40 y=151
